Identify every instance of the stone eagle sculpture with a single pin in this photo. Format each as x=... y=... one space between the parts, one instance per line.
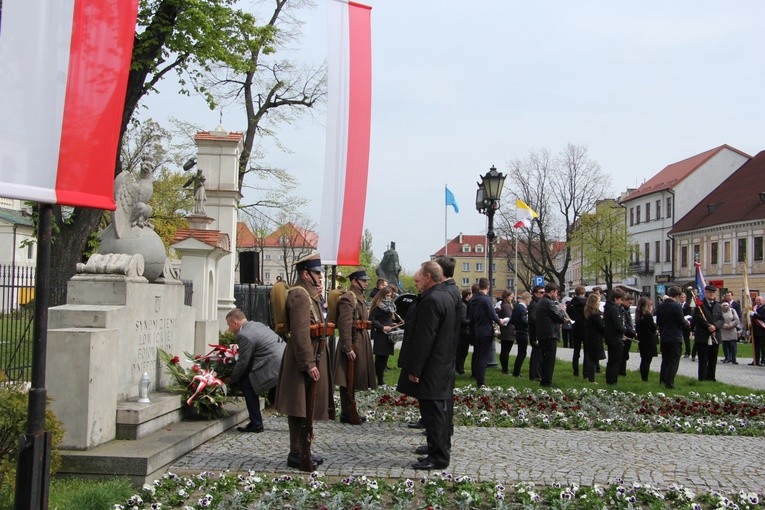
x=132 y=192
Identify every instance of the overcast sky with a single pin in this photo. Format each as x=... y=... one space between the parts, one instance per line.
x=460 y=86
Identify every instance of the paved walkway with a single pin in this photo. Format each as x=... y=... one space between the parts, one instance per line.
x=512 y=455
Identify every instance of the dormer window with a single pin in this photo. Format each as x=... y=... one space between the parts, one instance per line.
x=479 y=248
x=465 y=248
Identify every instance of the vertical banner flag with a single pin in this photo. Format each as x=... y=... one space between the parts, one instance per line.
x=450 y=200
x=524 y=214
x=349 y=110
x=699 y=283
x=62 y=90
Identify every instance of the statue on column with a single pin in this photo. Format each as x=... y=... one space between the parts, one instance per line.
x=197 y=183
x=389 y=267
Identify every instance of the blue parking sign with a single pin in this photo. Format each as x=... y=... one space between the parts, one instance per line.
x=539 y=281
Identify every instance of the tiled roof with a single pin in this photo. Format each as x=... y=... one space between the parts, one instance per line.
x=736 y=199
x=212 y=136
x=16 y=217
x=298 y=237
x=676 y=172
x=214 y=238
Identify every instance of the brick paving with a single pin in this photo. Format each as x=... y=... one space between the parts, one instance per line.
x=513 y=454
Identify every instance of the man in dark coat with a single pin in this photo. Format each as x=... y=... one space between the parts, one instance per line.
x=427 y=356
x=672 y=326
x=575 y=311
x=483 y=316
x=535 y=357
x=708 y=320
x=465 y=338
x=549 y=318
x=257 y=366
x=758 y=331
x=613 y=324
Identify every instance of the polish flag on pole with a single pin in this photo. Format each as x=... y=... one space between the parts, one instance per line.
x=524 y=213
x=349 y=107
x=65 y=66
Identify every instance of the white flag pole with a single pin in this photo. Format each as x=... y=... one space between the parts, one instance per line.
x=446 y=239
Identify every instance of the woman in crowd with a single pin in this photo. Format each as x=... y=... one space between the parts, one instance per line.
x=384 y=320
x=520 y=319
x=506 y=332
x=647 y=335
x=593 y=337
x=729 y=333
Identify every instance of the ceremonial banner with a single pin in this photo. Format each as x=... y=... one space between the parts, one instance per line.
x=524 y=214
x=62 y=89
x=349 y=105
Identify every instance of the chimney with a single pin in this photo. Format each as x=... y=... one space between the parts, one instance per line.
x=460 y=238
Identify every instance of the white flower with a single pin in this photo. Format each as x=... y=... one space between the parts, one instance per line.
x=150 y=489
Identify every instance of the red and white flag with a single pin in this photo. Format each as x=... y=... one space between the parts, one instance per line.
x=349 y=109
x=65 y=66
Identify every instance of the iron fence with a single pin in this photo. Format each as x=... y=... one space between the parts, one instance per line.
x=17 y=292
x=253 y=300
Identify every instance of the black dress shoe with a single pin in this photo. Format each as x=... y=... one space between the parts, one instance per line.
x=415 y=425
x=422 y=459
x=250 y=428
x=428 y=464
x=421 y=450
x=293 y=461
x=346 y=419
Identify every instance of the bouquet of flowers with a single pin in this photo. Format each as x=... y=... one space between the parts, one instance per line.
x=202 y=388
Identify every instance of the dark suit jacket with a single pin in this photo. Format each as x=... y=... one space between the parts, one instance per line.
x=671 y=321
x=429 y=347
x=260 y=355
x=712 y=314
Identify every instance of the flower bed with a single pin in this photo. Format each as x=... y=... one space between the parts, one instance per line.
x=584 y=409
x=253 y=490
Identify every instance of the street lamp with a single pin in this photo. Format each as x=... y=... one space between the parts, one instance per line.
x=487 y=202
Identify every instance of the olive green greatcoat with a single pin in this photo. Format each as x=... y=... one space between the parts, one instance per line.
x=365 y=378
x=304 y=309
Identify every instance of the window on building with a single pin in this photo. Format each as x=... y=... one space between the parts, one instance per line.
x=465 y=248
x=493 y=283
x=267 y=275
x=465 y=282
x=479 y=266
x=267 y=256
x=637 y=215
x=669 y=207
x=31 y=251
x=684 y=256
x=657 y=251
x=479 y=248
x=632 y=216
x=511 y=283
x=713 y=255
x=647 y=211
x=726 y=252
x=742 y=249
x=466 y=266
x=658 y=209
x=757 y=248
x=493 y=267
x=667 y=250
x=696 y=253
x=647 y=253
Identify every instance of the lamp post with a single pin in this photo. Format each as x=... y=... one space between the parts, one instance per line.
x=487 y=202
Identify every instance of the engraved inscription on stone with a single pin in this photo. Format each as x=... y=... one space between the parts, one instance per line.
x=152 y=334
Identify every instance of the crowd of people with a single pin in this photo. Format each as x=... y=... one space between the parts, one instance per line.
x=437 y=331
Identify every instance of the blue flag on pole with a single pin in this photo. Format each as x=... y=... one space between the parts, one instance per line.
x=450 y=200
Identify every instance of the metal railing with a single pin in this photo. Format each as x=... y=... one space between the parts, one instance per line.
x=17 y=292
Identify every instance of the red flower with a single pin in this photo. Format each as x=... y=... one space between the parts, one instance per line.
x=195 y=368
x=197 y=356
x=175 y=360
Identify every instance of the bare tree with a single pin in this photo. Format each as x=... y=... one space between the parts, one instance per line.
x=560 y=189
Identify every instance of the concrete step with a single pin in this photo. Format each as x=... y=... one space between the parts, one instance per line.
x=145 y=459
x=136 y=420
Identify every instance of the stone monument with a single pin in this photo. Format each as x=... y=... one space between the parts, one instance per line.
x=389 y=267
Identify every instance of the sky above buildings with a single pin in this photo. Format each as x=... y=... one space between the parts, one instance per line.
x=461 y=86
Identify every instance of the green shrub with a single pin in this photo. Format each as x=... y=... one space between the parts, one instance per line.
x=13 y=424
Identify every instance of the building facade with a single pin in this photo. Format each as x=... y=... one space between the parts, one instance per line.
x=653 y=208
x=269 y=257
x=16 y=234
x=725 y=233
x=471 y=254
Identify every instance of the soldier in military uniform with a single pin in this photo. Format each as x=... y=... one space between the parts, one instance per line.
x=304 y=378
x=354 y=347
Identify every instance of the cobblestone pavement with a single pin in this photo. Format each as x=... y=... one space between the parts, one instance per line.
x=512 y=455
